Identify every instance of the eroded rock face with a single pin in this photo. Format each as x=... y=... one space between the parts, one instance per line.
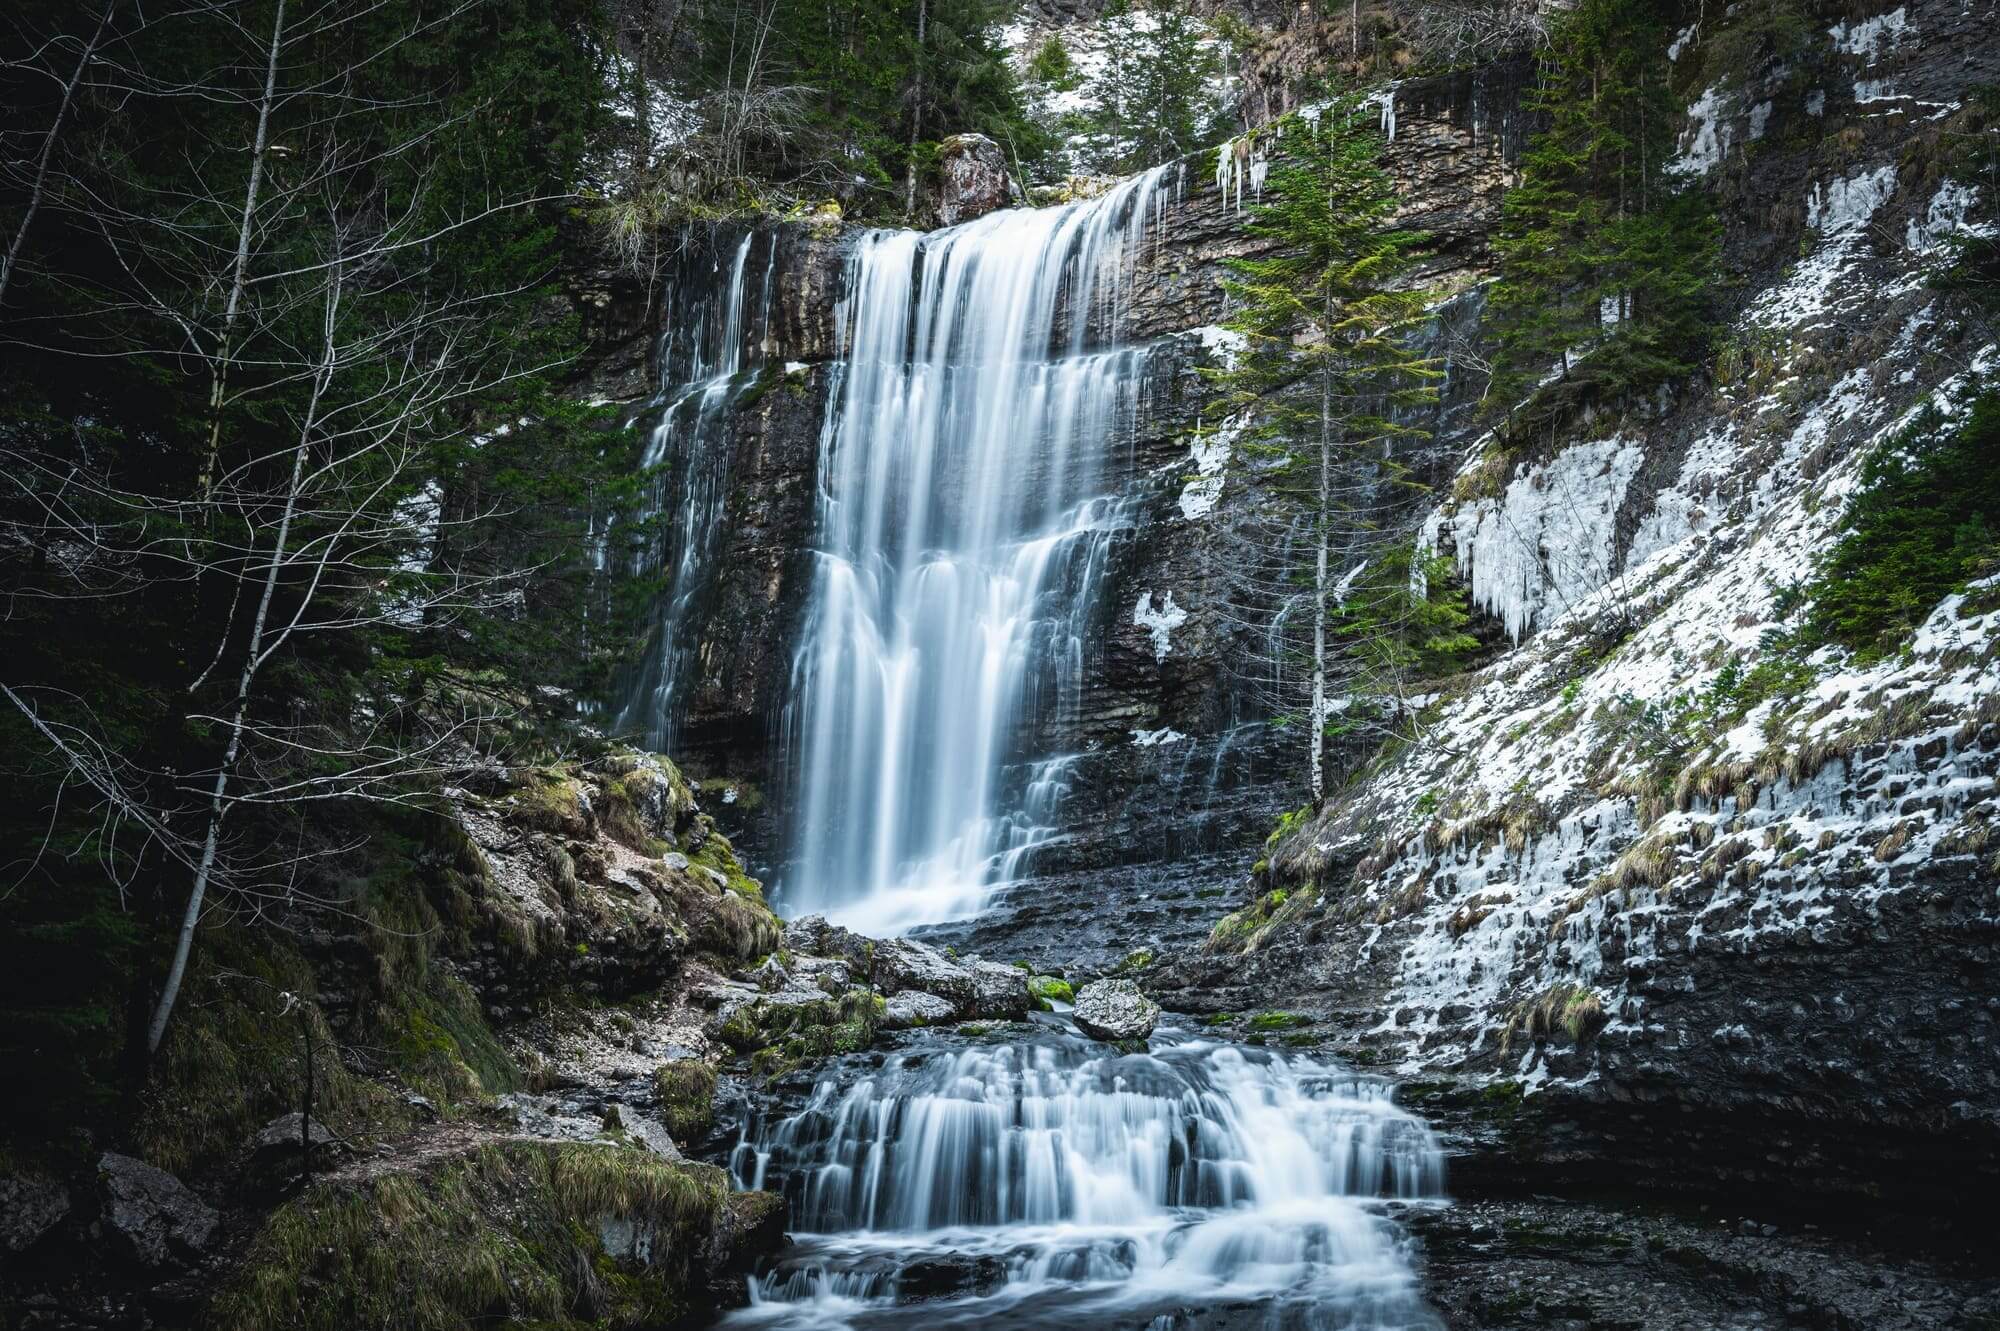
x=1115 y=1010
x=972 y=178
x=152 y=1215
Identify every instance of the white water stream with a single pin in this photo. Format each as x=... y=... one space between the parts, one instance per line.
x=963 y=529
x=1055 y=1182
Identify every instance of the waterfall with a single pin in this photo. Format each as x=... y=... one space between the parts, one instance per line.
x=963 y=532
x=1058 y=1182
x=710 y=354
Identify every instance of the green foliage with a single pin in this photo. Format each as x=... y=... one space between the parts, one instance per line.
x=1152 y=89
x=802 y=99
x=1605 y=259
x=1404 y=620
x=1921 y=525
x=1051 y=67
x=1972 y=255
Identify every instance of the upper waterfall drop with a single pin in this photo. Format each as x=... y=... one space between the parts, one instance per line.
x=962 y=538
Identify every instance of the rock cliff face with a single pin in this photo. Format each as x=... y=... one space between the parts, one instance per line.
x=1764 y=953
x=1778 y=947
x=1165 y=767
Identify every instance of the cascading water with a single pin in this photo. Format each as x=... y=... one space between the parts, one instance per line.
x=963 y=534
x=709 y=356
x=1059 y=1182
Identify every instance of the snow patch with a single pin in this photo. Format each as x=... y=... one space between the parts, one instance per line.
x=1946 y=218
x=1210 y=454
x=1868 y=38
x=1547 y=543
x=1706 y=140
x=1847 y=204
x=1159 y=622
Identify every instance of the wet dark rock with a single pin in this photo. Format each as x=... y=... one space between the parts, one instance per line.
x=949 y=1275
x=277 y=1152
x=151 y=1215
x=1527 y=1263
x=1115 y=1010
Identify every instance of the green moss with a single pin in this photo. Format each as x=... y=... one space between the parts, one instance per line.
x=1279 y=1021
x=1050 y=989
x=685 y=1090
x=1134 y=962
x=234 y=1058
x=785 y=1036
x=509 y=1232
x=748 y=797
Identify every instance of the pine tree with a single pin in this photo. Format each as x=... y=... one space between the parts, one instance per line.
x=1604 y=256
x=1327 y=366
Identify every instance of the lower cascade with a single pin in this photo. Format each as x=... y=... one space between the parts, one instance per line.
x=1057 y=1181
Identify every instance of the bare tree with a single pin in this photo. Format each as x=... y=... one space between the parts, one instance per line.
x=301 y=277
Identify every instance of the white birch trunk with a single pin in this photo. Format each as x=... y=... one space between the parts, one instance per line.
x=259 y=147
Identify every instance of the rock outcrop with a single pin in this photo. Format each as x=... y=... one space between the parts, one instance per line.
x=972 y=179
x=1711 y=933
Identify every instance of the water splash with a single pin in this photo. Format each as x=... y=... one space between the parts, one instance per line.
x=963 y=535
x=1055 y=1181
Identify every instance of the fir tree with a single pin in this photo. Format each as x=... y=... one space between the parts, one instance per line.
x=1604 y=256
x=1327 y=366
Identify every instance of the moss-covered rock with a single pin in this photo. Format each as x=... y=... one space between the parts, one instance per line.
x=685 y=1094
x=561 y=1234
x=1047 y=989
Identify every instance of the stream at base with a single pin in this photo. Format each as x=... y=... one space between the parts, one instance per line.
x=1055 y=1181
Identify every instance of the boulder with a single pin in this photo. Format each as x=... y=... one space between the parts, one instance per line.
x=914 y=1008
x=1115 y=1010
x=151 y=1214
x=972 y=178
x=30 y=1206
x=275 y=1153
x=644 y=1131
x=999 y=991
x=949 y=1275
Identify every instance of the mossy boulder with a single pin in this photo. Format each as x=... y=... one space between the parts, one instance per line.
x=559 y=1234
x=1047 y=989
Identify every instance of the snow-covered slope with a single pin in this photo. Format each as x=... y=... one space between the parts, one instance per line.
x=1613 y=861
